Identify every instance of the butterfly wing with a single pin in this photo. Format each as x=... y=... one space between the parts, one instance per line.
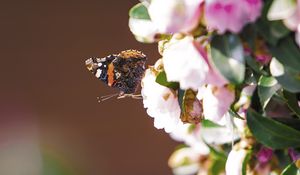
x=129 y=69
x=99 y=66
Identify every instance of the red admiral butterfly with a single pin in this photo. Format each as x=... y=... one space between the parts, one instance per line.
x=123 y=71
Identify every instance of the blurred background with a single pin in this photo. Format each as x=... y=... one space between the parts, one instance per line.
x=50 y=120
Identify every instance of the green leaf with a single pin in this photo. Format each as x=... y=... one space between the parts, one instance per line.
x=209 y=124
x=245 y=162
x=228 y=57
x=288 y=78
x=139 y=11
x=272 y=133
x=217 y=167
x=292 y=102
x=291 y=169
x=162 y=80
x=267 y=86
x=287 y=53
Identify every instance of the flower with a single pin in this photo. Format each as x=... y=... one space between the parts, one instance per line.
x=144 y=30
x=172 y=16
x=184 y=63
x=185 y=161
x=289 y=12
x=191 y=136
x=264 y=155
x=231 y=15
x=161 y=102
x=216 y=101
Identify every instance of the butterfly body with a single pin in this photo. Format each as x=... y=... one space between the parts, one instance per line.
x=123 y=71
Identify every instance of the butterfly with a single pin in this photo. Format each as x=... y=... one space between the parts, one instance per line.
x=123 y=71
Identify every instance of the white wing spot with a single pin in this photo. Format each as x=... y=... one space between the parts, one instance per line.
x=98 y=73
x=99 y=64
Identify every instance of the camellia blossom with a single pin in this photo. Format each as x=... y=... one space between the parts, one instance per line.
x=173 y=16
x=161 y=102
x=143 y=30
x=231 y=15
x=191 y=137
x=216 y=101
x=184 y=63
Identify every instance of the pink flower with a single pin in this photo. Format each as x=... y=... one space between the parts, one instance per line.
x=173 y=16
x=184 y=63
x=264 y=155
x=231 y=15
x=216 y=101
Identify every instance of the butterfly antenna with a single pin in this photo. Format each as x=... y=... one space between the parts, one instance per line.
x=106 y=97
x=134 y=96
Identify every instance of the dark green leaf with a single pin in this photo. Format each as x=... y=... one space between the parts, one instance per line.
x=139 y=11
x=272 y=133
x=267 y=86
x=286 y=76
x=291 y=169
x=291 y=122
x=162 y=80
x=287 y=53
x=228 y=56
x=292 y=102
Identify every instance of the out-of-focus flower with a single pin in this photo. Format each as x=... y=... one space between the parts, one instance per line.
x=191 y=136
x=161 y=102
x=231 y=15
x=173 y=16
x=185 y=161
x=184 y=63
x=234 y=163
x=144 y=30
x=216 y=101
x=264 y=155
x=289 y=12
x=294 y=154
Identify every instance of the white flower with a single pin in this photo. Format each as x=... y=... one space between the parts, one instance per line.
x=185 y=161
x=191 y=138
x=161 y=103
x=184 y=63
x=172 y=16
x=144 y=30
x=216 y=101
x=234 y=161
